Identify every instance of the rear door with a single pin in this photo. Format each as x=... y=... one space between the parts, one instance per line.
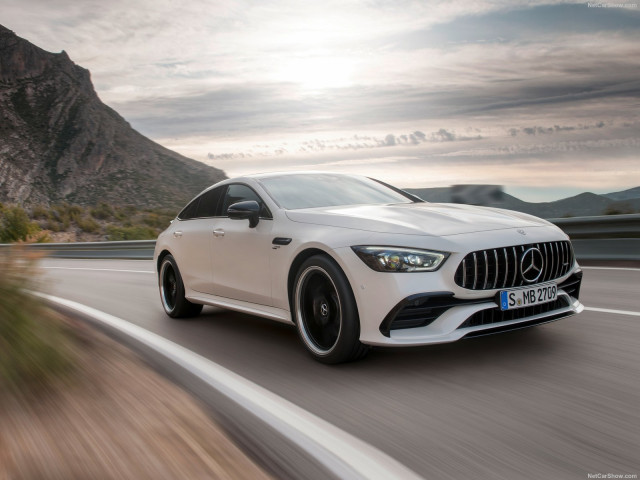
x=194 y=238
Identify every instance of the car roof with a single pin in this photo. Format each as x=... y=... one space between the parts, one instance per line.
x=291 y=173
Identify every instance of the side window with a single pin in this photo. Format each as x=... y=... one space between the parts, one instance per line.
x=190 y=211
x=209 y=203
x=237 y=192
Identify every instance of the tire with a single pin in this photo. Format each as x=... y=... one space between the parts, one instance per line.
x=172 y=291
x=325 y=312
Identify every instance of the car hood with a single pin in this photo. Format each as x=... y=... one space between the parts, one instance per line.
x=436 y=219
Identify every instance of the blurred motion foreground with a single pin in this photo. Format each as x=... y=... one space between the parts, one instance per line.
x=75 y=404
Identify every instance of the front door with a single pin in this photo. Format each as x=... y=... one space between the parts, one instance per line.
x=241 y=255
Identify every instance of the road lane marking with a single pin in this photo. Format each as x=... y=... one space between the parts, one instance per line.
x=630 y=269
x=340 y=452
x=99 y=269
x=608 y=310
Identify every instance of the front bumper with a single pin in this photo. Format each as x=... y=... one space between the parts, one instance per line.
x=410 y=309
x=434 y=318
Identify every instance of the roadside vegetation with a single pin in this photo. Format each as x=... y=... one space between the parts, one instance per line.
x=70 y=223
x=35 y=345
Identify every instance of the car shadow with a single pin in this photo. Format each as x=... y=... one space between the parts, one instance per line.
x=277 y=347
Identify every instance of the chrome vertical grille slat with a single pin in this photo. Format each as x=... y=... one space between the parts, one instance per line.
x=464 y=273
x=486 y=271
x=545 y=274
x=500 y=267
x=475 y=271
x=560 y=258
x=506 y=267
x=522 y=250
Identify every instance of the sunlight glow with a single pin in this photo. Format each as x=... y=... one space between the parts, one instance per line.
x=316 y=73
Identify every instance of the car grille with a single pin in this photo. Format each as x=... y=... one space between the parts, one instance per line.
x=500 y=267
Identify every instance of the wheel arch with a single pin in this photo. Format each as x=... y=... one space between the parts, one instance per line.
x=161 y=257
x=300 y=258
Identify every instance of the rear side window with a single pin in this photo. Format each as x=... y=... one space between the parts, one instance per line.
x=190 y=211
x=208 y=206
x=204 y=206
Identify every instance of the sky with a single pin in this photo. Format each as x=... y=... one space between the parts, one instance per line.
x=541 y=97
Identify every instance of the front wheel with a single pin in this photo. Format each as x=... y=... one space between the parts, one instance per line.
x=326 y=313
x=172 y=291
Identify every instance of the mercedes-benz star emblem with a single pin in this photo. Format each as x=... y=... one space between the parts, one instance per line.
x=531 y=265
x=324 y=309
x=521 y=231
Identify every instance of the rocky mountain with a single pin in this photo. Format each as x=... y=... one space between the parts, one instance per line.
x=582 y=205
x=59 y=142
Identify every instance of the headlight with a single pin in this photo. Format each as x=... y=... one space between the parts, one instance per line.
x=397 y=259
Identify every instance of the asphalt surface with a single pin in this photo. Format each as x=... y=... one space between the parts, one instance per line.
x=560 y=400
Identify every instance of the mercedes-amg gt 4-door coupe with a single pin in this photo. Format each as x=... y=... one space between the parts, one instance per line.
x=354 y=262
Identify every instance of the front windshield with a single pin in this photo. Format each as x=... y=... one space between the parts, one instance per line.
x=328 y=190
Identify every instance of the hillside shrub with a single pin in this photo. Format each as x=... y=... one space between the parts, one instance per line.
x=125 y=213
x=619 y=208
x=131 y=233
x=102 y=211
x=15 y=225
x=88 y=224
x=40 y=212
x=158 y=220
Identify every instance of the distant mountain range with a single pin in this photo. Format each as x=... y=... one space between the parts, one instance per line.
x=59 y=142
x=584 y=204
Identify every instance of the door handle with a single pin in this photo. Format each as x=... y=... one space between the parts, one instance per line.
x=177 y=234
x=218 y=232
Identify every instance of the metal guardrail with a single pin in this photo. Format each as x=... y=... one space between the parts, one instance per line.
x=606 y=226
x=610 y=237
x=607 y=248
x=129 y=250
x=607 y=237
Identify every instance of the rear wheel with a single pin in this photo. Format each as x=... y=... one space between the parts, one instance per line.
x=326 y=313
x=172 y=291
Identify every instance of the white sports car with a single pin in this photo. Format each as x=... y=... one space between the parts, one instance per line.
x=354 y=262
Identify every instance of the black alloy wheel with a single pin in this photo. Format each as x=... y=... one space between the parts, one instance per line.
x=172 y=291
x=325 y=312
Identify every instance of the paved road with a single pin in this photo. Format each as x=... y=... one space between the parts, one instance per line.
x=557 y=401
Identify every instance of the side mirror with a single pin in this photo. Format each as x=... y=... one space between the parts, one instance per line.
x=245 y=210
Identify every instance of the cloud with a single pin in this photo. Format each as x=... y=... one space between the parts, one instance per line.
x=281 y=84
x=443 y=135
x=538 y=130
x=352 y=143
x=520 y=22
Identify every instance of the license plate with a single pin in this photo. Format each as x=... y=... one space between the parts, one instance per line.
x=527 y=296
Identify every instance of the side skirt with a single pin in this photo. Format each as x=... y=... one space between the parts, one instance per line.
x=265 y=311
